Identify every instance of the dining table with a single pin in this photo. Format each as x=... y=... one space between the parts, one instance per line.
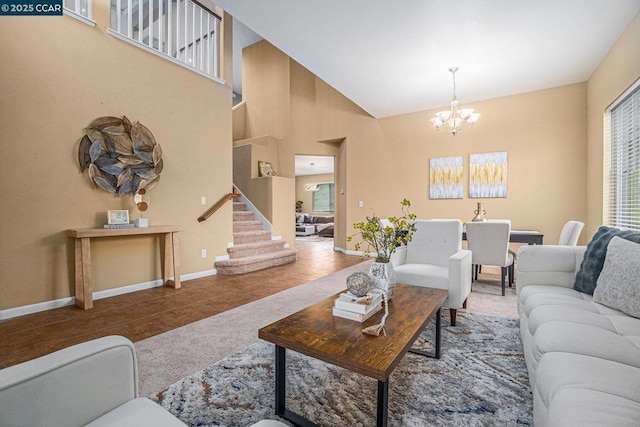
x=530 y=237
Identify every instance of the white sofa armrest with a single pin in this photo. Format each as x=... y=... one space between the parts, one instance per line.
x=459 y=278
x=548 y=265
x=70 y=387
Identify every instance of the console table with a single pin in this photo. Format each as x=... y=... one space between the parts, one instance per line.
x=84 y=287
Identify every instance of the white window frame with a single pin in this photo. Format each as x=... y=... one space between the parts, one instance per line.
x=621 y=161
x=332 y=195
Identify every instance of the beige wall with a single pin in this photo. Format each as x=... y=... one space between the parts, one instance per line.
x=52 y=87
x=379 y=162
x=544 y=135
x=59 y=74
x=619 y=69
x=265 y=87
x=307 y=196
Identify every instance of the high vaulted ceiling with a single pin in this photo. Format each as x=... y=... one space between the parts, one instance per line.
x=393 y=58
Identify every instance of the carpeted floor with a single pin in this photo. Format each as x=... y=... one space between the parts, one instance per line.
x=480 y=380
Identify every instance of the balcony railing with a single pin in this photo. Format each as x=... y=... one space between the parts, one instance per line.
x=182 y=31
x=79 y=9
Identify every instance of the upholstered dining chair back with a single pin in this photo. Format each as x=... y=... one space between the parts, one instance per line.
x=489 y=245
x=434 y=242
x=489 y=242
x=570 y=233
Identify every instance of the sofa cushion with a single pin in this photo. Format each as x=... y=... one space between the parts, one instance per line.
x=138 y=412
x=573 y=337
x=322 y=219
x=432 y=276
x=594 y=256
x=568 y=375
x=619 y=282
x=558 y=300
x=586 y=407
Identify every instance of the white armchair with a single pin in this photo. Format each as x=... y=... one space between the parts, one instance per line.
x=434 y=258
x=94 y=383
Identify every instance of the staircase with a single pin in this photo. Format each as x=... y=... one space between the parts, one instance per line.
x=252 y=248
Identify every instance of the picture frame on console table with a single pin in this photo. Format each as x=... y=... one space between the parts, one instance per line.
x=117 y=217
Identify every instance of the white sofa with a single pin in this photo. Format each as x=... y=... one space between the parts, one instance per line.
x=583 y=357
x=94 y=383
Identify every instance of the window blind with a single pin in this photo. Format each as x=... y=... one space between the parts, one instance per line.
x=622 y=161
x=323 y=199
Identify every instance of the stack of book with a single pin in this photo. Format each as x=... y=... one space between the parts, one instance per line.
x=348 y=306
x=125 y=225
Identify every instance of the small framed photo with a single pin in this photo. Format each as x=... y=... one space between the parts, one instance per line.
x=118 y=217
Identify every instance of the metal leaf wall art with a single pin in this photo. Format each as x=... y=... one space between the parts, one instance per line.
x=122 y=157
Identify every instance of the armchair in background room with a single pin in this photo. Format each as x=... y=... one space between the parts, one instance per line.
x=434 y=258
x=489 y=243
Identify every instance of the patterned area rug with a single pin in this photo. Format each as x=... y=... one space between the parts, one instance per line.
x=481 y=380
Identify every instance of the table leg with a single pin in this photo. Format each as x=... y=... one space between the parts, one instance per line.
x=176 y=260
x=436 y=354
x=170 y=259
x=281 y=407
x=83 y=286
x=280 y=380
x=383 y=404
x=438 y=333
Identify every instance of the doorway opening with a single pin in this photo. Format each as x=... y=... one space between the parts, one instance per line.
x=315 y=198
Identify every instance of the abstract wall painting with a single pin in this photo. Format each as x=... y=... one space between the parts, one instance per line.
x=446 y=176
x=488 y=175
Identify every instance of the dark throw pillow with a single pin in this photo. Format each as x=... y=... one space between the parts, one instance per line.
x=595 y=254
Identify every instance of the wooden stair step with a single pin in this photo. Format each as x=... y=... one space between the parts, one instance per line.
x=257 y=262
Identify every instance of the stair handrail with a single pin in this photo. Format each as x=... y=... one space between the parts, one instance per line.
x=224 y=199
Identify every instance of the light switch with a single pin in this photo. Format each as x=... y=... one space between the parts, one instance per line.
x=203 y=201
x=361 y=204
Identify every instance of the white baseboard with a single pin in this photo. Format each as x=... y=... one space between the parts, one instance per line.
x=36 y=308
x=347 y=252
x=63 y=302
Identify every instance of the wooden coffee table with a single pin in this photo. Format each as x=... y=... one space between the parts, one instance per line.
x=315 y=332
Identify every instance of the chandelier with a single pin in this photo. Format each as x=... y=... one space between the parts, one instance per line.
x=455 y=120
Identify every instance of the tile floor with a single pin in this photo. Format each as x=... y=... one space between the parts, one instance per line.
x=142 y=314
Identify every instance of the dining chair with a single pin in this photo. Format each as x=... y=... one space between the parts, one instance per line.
x=489 y=245
x=434 y=258
x=570 y=233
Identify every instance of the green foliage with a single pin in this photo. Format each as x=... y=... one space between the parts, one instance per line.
x=383 y=240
